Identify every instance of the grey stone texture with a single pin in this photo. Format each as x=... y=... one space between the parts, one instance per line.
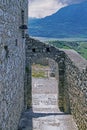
x=37 y=50
x=76 y=87
x=12 y=62
x=45 y=114
x=16 y=57
x=72 y=70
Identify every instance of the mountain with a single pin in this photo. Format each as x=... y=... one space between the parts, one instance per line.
x=70 y=21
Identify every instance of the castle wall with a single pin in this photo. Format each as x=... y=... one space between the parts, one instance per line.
x=38 y=50
x=53 y=69
x=72 y=70
x=12 y=62
x=76 y=87
x=13 y=91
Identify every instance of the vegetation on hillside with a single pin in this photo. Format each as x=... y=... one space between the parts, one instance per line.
x=79 y=46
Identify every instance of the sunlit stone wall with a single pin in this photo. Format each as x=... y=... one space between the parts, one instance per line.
x=12 y=58
x=76 y=87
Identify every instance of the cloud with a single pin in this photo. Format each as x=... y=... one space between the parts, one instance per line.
x=71 y=1
x=42 y=8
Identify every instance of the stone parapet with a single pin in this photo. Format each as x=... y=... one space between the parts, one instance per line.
x=76 y=87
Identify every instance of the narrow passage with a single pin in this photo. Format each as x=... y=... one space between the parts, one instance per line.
x=45 y=114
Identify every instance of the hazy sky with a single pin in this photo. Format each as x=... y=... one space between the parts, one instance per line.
x=42 y=8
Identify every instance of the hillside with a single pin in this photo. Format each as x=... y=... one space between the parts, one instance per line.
x=79 y=46
x=70 y=21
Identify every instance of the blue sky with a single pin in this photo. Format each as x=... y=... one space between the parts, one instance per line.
x=43 y=8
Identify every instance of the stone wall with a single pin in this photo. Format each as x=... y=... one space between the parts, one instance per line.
x=12 y=62
x=14 y=92
x=38 y=50
x=72 y=70
x=76 y=87
x=54 y=72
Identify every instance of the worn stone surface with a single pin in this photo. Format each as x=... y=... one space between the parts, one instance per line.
x=46 y=114
x=76 y=87
x=38 y=50
x=14 y=90
x=12 y=60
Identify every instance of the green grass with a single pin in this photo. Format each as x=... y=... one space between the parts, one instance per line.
x=38 y=74
x=83 y=49
x=39 y=71
x=79 y=46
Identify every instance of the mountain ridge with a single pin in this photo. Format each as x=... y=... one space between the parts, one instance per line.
x=70 y=21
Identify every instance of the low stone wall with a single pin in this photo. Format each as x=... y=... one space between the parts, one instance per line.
x=75 y=88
